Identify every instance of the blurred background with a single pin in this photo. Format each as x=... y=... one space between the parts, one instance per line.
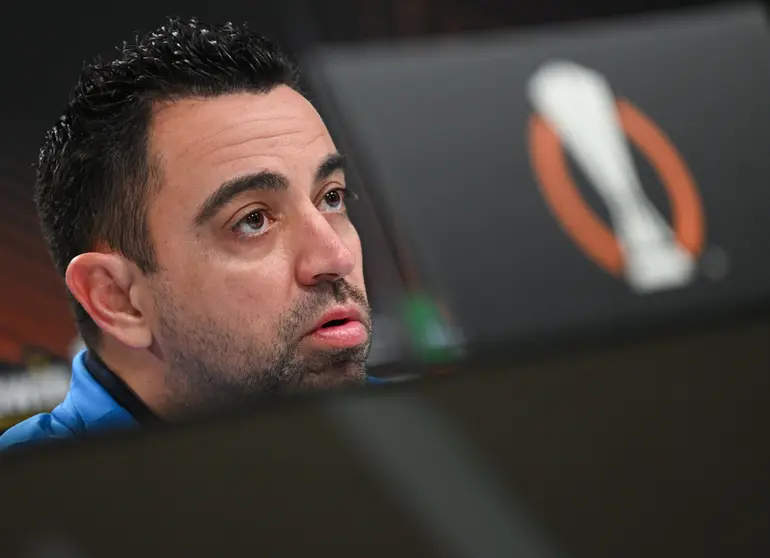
x=42 y=51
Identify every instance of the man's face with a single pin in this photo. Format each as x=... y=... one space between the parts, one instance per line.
x=261 y=287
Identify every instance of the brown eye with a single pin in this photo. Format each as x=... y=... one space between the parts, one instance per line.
x=254 y=224
x=334 y=200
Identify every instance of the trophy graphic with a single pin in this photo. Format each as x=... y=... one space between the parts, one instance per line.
x=579 y=106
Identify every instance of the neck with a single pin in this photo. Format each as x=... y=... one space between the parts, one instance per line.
x=140 y=370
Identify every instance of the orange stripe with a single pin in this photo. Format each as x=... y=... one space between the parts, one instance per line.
x=592 y=235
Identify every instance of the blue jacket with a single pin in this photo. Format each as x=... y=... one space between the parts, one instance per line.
x=88 y=409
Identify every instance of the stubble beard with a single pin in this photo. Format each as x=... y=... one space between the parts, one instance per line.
x=211 y=367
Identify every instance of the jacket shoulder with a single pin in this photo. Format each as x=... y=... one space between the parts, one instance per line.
x=39 y=428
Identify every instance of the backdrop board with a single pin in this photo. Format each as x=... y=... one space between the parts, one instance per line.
x=590 y=177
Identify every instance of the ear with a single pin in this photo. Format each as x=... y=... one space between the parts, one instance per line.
x=108 y=287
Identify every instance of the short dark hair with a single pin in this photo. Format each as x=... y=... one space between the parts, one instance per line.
x=94 y=169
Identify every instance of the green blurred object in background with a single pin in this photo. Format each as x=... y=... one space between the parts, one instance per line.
x=433 y=339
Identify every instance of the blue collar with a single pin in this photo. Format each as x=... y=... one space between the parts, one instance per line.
x=118 y=389
x=88 y=405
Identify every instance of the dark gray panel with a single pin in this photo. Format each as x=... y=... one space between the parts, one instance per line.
x=442 y=129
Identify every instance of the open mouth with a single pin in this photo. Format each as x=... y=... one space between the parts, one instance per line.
x=344 y=331
x=334 y=323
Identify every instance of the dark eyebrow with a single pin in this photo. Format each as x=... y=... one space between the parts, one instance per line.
x=229 y=190
x=333 y=163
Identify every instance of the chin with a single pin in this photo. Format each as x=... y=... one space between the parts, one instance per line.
x=336 y=376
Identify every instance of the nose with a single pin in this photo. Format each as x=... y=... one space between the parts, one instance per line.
x=323 y=256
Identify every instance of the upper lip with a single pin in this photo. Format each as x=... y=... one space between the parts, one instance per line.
x=346 y=313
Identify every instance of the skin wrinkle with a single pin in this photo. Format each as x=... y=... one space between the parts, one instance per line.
x=253 y=120
x=251 y=138
x=192 y=149
x=244 y=144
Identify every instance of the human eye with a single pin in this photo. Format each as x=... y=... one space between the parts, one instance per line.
x=335 y=201
x=255 y=223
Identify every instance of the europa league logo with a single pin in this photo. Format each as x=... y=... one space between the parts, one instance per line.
x=577 y=111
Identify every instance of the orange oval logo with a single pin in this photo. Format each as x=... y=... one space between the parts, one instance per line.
x=594 y=237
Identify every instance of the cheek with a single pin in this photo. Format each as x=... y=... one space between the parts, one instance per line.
x=256 y=290
x=244 y=294
x=252 y=290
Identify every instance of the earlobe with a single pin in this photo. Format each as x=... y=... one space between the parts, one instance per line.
x=102 y=284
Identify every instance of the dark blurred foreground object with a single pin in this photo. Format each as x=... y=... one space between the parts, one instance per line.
x=656 y=448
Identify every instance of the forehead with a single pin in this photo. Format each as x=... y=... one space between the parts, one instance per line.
x=201 y=143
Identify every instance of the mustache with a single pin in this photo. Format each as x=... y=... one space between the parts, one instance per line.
x=317 y=300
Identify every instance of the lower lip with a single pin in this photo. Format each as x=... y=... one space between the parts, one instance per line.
x=349 y=334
